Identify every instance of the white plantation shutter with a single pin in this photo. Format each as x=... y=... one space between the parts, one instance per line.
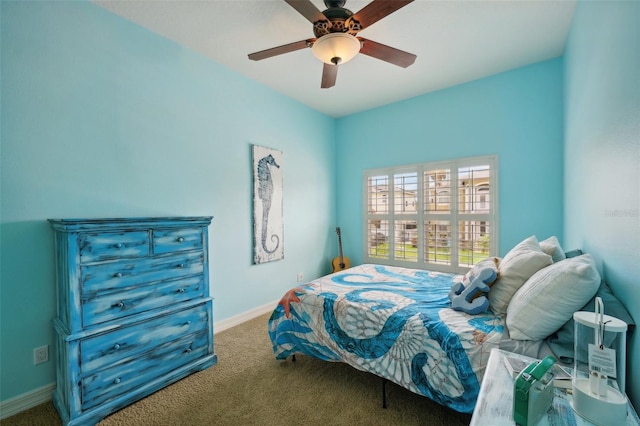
x=438 y=216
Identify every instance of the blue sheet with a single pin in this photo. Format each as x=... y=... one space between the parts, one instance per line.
x=393 y=322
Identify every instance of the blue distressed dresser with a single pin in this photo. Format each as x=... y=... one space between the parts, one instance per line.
x=134 y=312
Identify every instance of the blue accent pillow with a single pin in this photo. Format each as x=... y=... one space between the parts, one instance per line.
x=573 y=253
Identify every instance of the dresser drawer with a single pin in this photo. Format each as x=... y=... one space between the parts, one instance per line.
x=103 y=307
x=113 y=245
x=131 y=342
x=122 y=274
x=102 y=386
x=170 y=240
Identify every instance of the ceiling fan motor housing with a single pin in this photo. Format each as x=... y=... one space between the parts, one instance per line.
x=340 y=21
x=334 y=3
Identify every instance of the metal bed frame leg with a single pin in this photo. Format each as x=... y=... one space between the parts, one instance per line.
x=384 y=393
x=293 y=357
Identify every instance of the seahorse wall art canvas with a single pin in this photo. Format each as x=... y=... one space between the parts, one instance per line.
x=268 y=228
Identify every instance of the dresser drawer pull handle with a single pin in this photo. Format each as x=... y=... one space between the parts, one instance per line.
x=182 y=265
x=118 y=245
x=188 y=350
x=117 y=380
x=181 y=290
x=116 y=346
x=187 y=323
x=180 y=240
x=119 y=305
x=117 y=275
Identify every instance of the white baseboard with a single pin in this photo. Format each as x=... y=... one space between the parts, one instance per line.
x=243 y=317
x=25 y=401
x=43 y=394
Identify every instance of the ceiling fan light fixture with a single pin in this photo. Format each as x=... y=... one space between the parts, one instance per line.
x=336 y=48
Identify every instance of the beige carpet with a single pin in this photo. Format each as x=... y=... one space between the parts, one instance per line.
x=249 y=386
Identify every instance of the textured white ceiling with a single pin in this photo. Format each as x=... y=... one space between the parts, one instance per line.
x=455 y=41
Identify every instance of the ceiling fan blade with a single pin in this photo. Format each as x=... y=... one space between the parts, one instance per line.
x=386 y=53
x=378 y=9
x=285 y=48
x=308 y=10
x=329 y=74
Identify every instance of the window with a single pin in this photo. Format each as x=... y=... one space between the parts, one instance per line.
x=438 y=216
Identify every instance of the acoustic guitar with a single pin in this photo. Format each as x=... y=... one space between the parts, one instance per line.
x=341 y=262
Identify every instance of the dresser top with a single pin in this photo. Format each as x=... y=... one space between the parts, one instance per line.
x=72 y=225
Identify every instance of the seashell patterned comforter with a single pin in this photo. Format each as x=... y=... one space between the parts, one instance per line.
x=393 y=322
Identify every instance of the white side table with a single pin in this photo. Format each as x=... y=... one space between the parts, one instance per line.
x=495 y=401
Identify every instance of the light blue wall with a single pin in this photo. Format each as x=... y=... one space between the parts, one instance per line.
x=101 y=118
x=602 y=150
x=517 y=115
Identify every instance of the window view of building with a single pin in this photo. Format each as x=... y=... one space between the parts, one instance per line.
x=432 y=215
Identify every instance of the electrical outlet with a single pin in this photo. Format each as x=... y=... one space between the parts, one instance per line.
x=300 y=277
x=41 y=355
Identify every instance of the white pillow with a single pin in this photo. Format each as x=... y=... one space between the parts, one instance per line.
x=516 y=267
x=552 y=247
x=551 y=296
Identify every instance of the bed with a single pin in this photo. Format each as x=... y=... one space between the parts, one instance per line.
x=399 y=324
x=393 y=322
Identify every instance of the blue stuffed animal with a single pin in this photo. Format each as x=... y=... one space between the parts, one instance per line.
x=470 y=295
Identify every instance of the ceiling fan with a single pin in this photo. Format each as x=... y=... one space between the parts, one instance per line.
x=336 y=40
